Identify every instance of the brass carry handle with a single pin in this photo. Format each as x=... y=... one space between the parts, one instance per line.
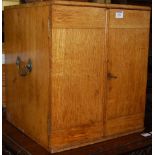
x=23 y=69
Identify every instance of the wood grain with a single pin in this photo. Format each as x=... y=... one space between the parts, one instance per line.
x=76 y=137
x=128 y=62
x=13 y=138
x=26 y=36
x=131 y=19
x=124 y=124
x=78 y=81
x=3 y=85
x=89 y=73
x=77 y=17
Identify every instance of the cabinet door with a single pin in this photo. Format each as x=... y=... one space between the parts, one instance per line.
x=127 y=70
x=78 y=75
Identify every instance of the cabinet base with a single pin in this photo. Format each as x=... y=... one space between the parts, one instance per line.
x=52 y=150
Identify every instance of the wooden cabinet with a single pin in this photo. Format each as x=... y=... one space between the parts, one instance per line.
x=76 y=72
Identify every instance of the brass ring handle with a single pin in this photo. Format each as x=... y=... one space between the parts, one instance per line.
x=23 y=69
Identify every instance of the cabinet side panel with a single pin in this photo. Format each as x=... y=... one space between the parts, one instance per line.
x=26 y=36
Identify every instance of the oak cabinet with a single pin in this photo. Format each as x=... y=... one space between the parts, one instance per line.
x=76 y=72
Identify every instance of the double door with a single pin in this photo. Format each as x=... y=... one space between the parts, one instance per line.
x=99 y=71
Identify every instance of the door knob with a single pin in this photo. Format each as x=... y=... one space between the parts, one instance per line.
x=111 y=76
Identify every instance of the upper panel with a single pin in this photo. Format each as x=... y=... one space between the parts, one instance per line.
x=77 y=17
x=120 y=18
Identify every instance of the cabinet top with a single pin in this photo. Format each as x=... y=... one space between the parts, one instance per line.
x=81 y=4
